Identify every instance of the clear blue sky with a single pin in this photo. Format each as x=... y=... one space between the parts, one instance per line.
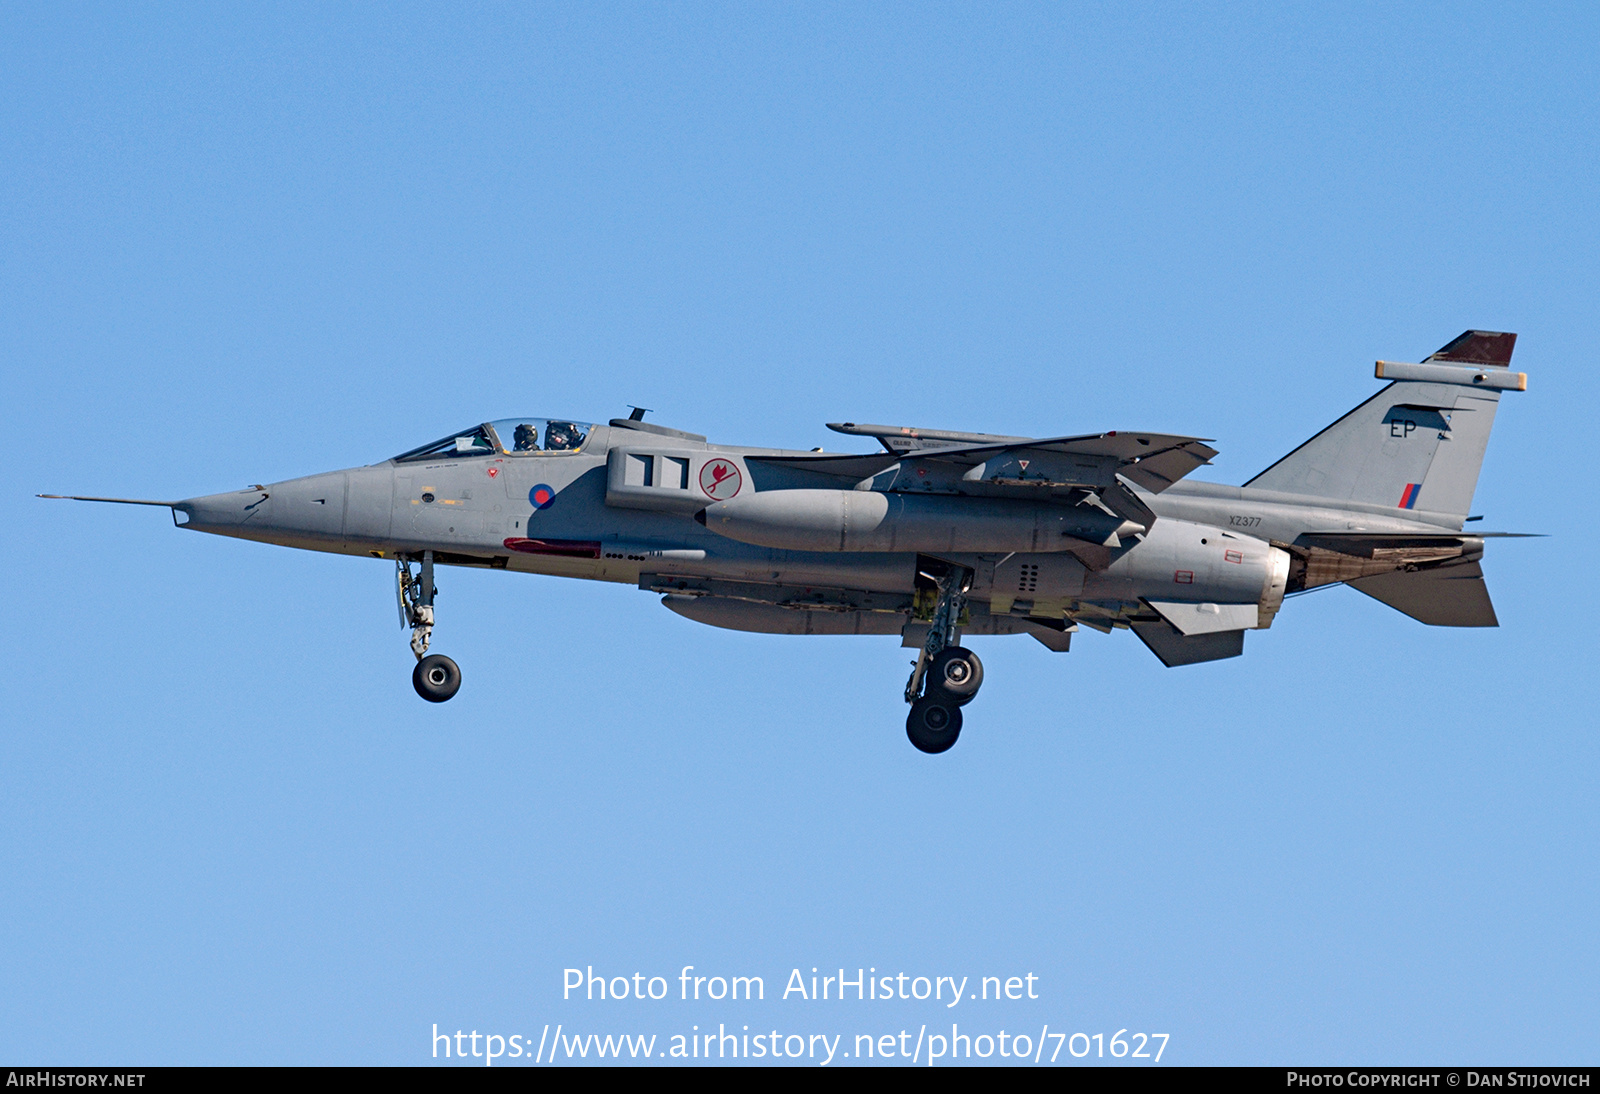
x=243 y=244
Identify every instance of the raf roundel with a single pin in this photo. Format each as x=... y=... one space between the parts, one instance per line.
x=720 y=479
x=542 y=496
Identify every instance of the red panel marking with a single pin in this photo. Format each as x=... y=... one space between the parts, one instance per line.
x=1233 y=556
x=1479 y=347
x=1183 y=577
x=565 y=548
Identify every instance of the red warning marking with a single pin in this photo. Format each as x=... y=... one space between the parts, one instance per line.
x=1183 y=577
x=720 y=479
x=493 y=471
x=1233 y=556
x=562 y=548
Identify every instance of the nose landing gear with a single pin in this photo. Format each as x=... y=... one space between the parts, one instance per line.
x=436 y=677
x=946 y=677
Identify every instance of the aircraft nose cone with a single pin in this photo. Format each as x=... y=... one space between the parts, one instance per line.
x=225 y=513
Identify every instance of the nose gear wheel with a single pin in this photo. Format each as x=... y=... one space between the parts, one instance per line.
x=436 y=677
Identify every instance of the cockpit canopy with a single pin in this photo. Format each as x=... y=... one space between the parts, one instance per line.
x=506 y=437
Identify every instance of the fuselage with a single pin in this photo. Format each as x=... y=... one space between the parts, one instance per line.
x=938 y=535
x=622 y=507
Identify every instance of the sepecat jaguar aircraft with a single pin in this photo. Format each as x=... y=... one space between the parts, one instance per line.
x=937 y=535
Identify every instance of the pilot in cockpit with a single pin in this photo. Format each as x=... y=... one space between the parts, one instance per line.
x=526 y=438
x=559 y=436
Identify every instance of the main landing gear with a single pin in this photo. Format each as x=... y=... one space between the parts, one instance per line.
x=436 y=677
x=946 y=677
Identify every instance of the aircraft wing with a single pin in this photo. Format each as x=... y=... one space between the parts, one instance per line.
x=904 y=439
x=1153 y=460
x=1100 y=463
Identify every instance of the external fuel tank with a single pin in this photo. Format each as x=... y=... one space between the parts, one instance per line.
x=869 y=520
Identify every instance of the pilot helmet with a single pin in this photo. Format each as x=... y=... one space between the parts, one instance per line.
x=525 y=437
x=562 y=435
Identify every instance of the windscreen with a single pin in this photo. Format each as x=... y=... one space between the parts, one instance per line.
x=469 y=442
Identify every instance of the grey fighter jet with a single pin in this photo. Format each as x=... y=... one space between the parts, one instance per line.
x=936 y=535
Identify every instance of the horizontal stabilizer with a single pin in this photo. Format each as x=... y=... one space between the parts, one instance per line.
x=1446 y=596
x=1175 y=648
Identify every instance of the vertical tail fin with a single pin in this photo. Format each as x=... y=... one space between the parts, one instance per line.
x=1417 y=444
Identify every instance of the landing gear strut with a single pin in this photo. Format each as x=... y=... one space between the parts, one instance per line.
x=946 y=677
x=436 y=677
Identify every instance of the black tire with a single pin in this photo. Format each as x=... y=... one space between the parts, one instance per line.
x=436 y=678
x=933 y=724
x=957 y=674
